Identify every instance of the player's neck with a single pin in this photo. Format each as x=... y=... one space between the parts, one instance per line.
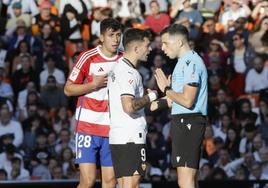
x=131 y=59
x=184 y=50
x=106 y=52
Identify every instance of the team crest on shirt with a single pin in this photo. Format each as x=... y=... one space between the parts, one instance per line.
x=74 y=74
x=143 y=166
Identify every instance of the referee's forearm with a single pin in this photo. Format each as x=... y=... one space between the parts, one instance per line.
x=179 y=98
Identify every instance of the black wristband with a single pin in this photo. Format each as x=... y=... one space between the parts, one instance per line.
x=166 y=89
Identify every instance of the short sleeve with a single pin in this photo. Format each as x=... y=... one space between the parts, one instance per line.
x=127 y=83
x=192 y=74
x=80 y=69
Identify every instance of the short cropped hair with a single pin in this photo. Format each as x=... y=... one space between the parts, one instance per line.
x=110 y=23
x=176 y=29
x=134 y=35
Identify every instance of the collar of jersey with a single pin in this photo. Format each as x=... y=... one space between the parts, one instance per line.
x=128 y=63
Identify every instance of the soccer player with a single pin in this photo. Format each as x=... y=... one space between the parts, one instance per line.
x=188 y=96
x=126 y=104
x=88 y=80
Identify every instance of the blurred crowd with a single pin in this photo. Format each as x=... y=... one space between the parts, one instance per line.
x=40 y=40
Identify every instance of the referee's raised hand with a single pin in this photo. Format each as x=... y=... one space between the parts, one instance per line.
x=161 y=79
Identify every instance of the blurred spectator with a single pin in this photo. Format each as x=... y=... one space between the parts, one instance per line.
x=224 y=125
x=34 y=135
x=27 y=6
x=5 y=140
x=22 y=96
x=205 y=171
x=217 y=174
x=264 y=48
x=156 y=20
x=189 y=12
x=25 y=74
x=257 y=77
x=258 y=143
x=3 y=175
x=227 y=164
x=6 y=91
x=237 y=9
x=57 y=173
x=239 y=28
x=256 y=172
x=260 y=10
x=240 y=174
x=51 y=139
x=246 y=143
x=15 y=56
x=264 y=159
x=71 y=30
x=7 y=125
x=66 y=159
x=255 y=37
x=38 y=164
x=207 y=34
x=45 y=17
x=185 y=21
x=64 y=141
x=18 y=35
x=216 y=55
x=209 y=150
x=126 y=9
x=163 y=5
x=232 y=143
x=62 y=119
x=7 y=156
x=51 y=70
x=83 y=7
x=99 y=14
x=17 y=172
x=209 y=8
x=3 y=53
x=17 y=11
x=240 y=62
x=52 y=95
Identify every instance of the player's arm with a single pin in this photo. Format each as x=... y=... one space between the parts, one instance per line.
x=131 y=104
x=73 y=89
x=161 y=103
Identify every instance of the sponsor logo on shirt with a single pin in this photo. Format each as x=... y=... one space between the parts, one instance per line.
x=100 y=69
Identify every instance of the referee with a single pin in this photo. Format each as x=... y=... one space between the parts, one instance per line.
x=187 y=97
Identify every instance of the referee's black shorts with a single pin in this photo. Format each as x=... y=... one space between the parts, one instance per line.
x=187 y=132
x=128 y=159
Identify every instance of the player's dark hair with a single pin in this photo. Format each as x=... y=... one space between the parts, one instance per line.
x=176 y=29
x=134 y=35
x=110 y=23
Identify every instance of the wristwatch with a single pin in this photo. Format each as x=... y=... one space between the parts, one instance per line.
x=166 y=89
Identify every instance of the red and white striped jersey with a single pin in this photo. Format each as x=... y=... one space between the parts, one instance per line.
x=93 y=115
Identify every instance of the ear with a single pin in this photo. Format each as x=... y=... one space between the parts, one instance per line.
x=136 y=49
x=179 y=42
x=101 y=38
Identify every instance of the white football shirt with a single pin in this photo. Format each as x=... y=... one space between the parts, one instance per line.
x=124 y=128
